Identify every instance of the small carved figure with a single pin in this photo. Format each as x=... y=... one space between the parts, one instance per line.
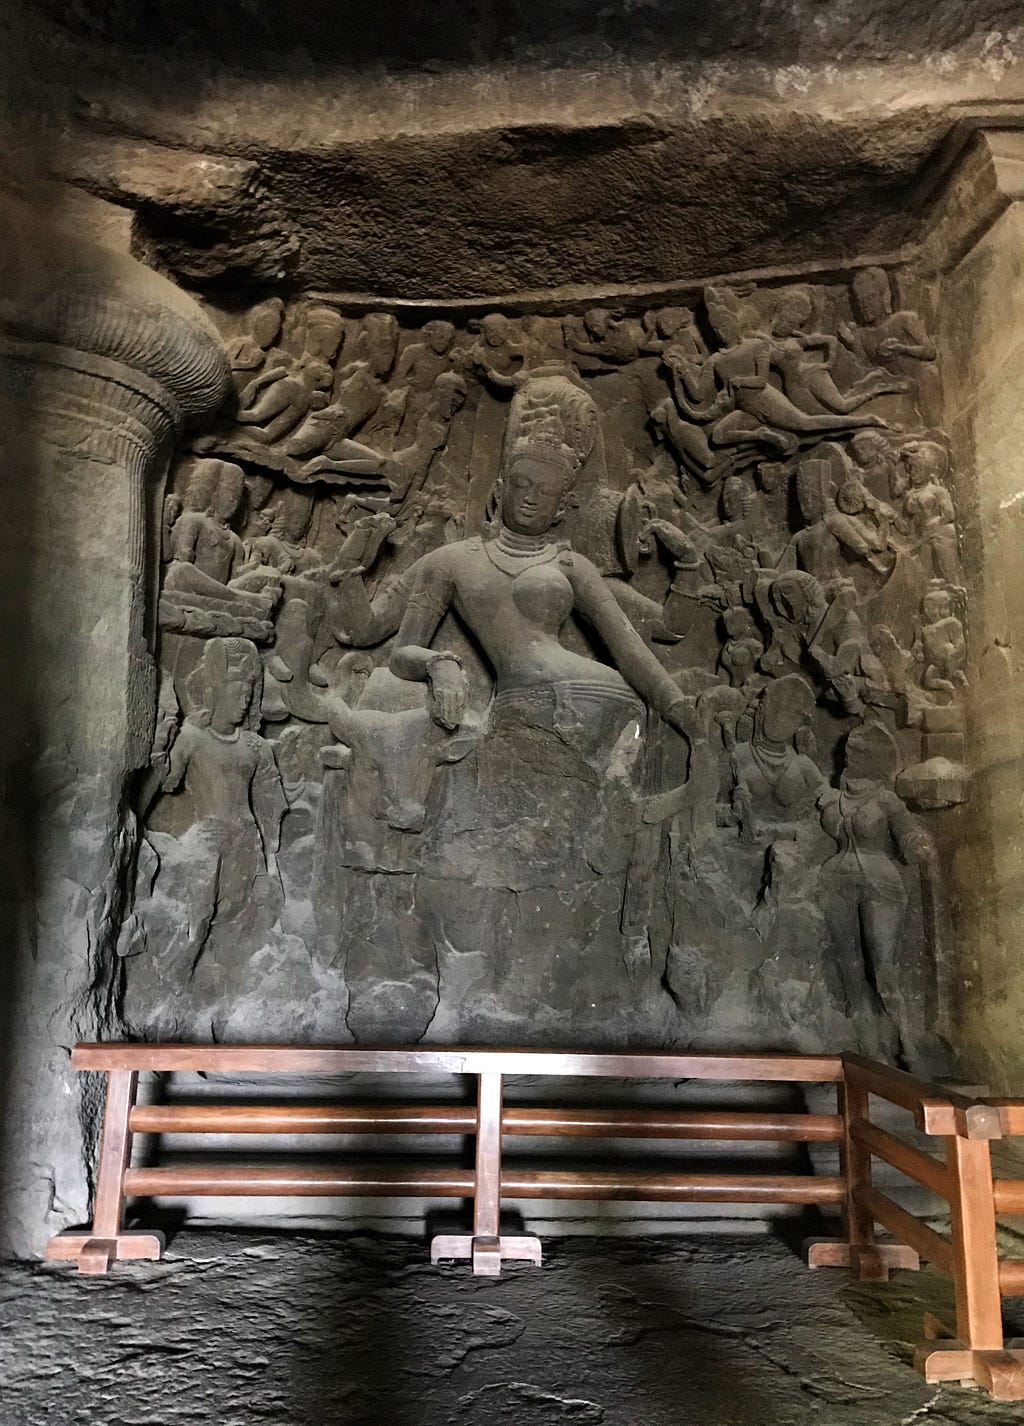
x=879 y=462
x=804 y=360
x=208 y=559
x=602 y=340
x=419 y=366
x=231 y=776
x=407 y=470
x=775 y=785
x=253 y=349
x=839 y=648
x=867 y=900
x=498 y=355
x=276 y=400
x=897 y=340
x=928 y=507
x=742 y=649
x=829 y=532
x=940 y=645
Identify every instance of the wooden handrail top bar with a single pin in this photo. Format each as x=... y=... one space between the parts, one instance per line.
x=1008 y=1194
x=1011 y=1277
x=365 y=1059
x=318 y=1180
x=922 y=1168
x=246 y=1118
x=905 y=1228
x=299 y=1181
x=936 y=1109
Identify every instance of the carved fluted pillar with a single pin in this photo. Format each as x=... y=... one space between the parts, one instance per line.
x=102 y=364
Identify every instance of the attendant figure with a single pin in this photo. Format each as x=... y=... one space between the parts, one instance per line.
x=866 y=899
x=231 y=776
x=928 y=508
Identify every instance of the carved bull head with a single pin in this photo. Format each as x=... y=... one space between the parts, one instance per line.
x=391 y=758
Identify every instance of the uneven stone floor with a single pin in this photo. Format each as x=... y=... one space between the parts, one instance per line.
x=234 y=1329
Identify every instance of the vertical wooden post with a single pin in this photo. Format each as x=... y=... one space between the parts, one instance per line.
x=115 y=1146
x=855 y=1166
x=487 y=1200
x=485 y=1247
x=979 y=1308
x=107 y=1240
x=858 y=1251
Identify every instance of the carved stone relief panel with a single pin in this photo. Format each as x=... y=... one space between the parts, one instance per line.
x=560 y=678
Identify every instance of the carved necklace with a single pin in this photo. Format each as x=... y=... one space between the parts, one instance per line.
x=512 y=553
x=231 y=737
x=772 y=761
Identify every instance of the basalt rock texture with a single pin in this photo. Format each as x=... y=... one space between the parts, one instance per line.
x=487 y=151
x=363 y=1332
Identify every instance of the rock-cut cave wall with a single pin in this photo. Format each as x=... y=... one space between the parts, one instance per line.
x=586 y=678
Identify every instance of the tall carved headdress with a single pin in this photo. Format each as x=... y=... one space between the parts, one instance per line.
x=222 y=660
x=556 y=417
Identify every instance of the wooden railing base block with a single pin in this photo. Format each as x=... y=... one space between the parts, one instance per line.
x=999 y=1372
x=870 y=1263
x=486 y=1253
x=94 y=1255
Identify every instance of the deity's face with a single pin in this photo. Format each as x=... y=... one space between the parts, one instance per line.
x=597 y=322
x=782 y=716
x=937 y=605
x=871 y=295
x=871 y=450
x=671 y=320
x=230 y=489
x=794 y=312
x=924 y=461
x=494 y=329
x=534 y=496
x=230 y=704
x=439 y=336
x=266 y=324
x=724 y=323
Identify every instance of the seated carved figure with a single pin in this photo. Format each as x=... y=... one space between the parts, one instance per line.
x=940 y=645
x=514 y=593
x=804 y=361
x=209 y=568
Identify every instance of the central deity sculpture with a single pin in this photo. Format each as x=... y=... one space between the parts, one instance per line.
x=516 y=592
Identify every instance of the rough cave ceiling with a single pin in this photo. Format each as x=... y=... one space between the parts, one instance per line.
x=487 y=150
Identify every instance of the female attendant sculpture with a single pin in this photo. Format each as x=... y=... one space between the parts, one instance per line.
x=867 y=900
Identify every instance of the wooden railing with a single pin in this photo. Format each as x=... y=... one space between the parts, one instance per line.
x=976 y=1351
x=963 y=1177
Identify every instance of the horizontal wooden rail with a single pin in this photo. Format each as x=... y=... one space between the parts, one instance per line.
x=671 y=1187
x=299 y=1181
x=248 y=1118
x=346 y=1059
x=1011 y=1277
x=921 y=1167
x=319 y=1180
x=905 y=1228
x=1008 y=1194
